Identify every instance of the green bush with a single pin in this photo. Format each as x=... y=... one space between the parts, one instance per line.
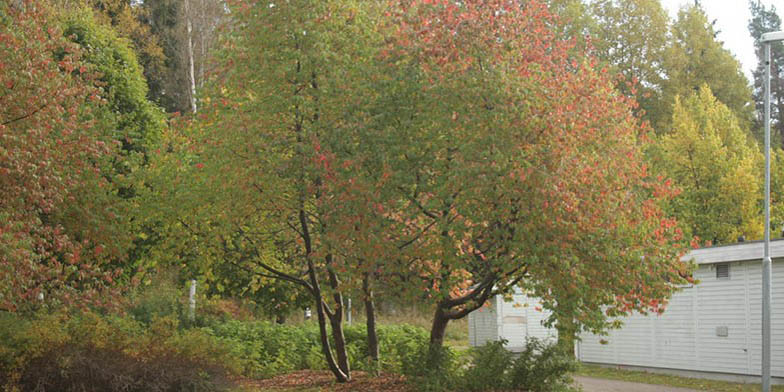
x=266 y=349
x=87 y=351
x=161 y=299
x=542 y=367
x=431 y=369
x=489 y=367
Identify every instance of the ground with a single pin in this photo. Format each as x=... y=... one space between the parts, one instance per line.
x=590 y=378
x=590 y=384
x=317 y=381
x=589 y=373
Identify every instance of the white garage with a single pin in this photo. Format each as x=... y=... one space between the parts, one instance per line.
x=711 y=329
x=511 y=320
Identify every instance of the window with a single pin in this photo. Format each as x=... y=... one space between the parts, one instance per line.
x=722 y=271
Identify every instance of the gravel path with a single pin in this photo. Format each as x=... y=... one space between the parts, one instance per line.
x=602 y=385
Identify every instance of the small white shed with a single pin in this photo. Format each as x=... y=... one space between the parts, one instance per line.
x=711 y=329
x=513 y=320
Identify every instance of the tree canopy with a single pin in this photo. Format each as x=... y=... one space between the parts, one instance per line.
x=56 y=209
x=717 y=167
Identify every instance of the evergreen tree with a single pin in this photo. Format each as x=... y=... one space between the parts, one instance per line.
x=694 y=57
x=764 y=20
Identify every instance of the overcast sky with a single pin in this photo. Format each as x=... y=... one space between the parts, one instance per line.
x=732 y=18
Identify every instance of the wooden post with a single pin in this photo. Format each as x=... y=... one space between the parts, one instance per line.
x=192 y=301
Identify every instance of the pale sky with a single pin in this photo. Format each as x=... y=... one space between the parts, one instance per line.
x=732 y=19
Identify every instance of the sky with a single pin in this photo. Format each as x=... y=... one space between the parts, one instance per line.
x=732 y=18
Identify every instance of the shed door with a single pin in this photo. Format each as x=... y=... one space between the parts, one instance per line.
x=514 y=322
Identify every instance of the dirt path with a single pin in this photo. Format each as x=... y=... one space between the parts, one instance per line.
x=603 y=385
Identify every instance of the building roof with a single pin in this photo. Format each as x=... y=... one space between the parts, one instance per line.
x=741 y=251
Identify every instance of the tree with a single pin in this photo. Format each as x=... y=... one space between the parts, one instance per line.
x=57 y=219
x=765 y=20
x=132 y=120
x=693 y=58
x=716 y=165
x=509 y=162
x=187 y=32
x=574 y=21
x=278 y=128
x=632 y=36
x=125 y=18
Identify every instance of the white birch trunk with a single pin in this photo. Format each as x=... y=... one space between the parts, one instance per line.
x=192 y=76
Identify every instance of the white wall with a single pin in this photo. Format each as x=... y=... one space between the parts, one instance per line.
x=512 y=320
x=483 y=324
x=685 y=336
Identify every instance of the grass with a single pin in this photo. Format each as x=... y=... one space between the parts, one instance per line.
x=665 y=379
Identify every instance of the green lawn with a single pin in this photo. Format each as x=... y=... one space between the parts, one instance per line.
x=664 y=379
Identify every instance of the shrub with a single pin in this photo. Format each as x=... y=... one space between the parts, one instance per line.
x=265 y=349
x=92 y=352
x=489 y=367
x=542 y=367
x=431 y=369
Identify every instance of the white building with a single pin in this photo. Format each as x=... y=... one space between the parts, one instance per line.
x=514 y=321
x=711 y=329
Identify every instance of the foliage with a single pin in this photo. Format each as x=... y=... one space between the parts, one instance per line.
x=125 y=18
x=764 y=20
x=695 y=57
x=266 y=349
x=511 y=164
x=88 y=351
x=158 y=298
x=433 y=368
x=717 y=166
x=632 y=36
x=542 y=367
x=167 y=21
x=59 y=223
x=277 y=128
x=489 y=367
x=123 y=115
x=133 y=120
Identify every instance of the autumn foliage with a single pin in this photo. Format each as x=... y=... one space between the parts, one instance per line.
x=433 y=150
x=53 y=199
x=523 y=166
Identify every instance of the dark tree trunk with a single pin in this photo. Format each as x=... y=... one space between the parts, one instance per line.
x=370 y=321
x=438 y=329
x=336 y=319
x=321 y=313
x=325 y=346
x=280 y=319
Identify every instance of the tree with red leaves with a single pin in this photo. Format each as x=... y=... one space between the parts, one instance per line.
x=55 y=205
x=515 y=164
x=446 y=150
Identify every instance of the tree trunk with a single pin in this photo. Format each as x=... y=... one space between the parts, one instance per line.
x=438 y=329
x=370 y=320
x=325 y=346
x=340 y=375
x=280 y=319
x=191 y=75
x=336 y=320
x=566 y=334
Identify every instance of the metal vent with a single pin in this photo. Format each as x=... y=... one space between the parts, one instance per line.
x=722 y=271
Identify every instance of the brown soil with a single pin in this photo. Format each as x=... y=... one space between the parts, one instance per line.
x=325 y=381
